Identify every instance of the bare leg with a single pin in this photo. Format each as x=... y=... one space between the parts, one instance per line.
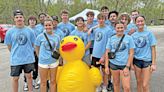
x=15 y=84
x=29 y=81
x=43 y=78
x=125 y=81
x=138 y=74
x=53 y=85
x=116 y=80
x=146 y=79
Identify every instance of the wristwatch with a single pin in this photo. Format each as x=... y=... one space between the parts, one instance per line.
x=128 y=67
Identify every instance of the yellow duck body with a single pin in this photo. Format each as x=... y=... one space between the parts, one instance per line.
x=75 y=75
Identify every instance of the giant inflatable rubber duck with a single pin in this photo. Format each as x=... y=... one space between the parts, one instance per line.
x=75 y=75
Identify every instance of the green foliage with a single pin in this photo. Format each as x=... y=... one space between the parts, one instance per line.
x=152 y=9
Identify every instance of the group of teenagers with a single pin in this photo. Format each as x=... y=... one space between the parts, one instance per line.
x=115 y=43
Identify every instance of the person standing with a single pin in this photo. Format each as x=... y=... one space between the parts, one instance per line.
x=32 y=21
x=46 y=43
x=40 y=26
x=144 y=62
x=105 y=11
x=123 y=48
x=20 y=41
x=65 y=25
x=101 y=35
x=84 y=37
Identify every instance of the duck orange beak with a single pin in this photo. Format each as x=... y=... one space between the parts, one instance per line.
x=68 y=46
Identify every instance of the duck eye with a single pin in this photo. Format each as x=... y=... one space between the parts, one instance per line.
x=62 y=41
x=75 y=39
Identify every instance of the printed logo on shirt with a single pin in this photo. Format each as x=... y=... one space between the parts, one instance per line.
x=140 y=42
x=47 y=46
x=66 y=31
x=99 y=36
x=21 y=39
x=122 y=46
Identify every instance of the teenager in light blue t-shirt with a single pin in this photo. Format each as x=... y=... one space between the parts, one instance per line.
x=20 y=41
x=85 y=38
x=120 y=65
x=90 y=23
x=57 y=30
x=65 y=25
x=145 y=54
x=125 y=19
x=40 y=26
x=32 y=21
x=101 y=35
x=44 y=51
x=105 y=12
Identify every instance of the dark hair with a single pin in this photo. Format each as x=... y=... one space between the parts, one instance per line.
x=18 y=12
x=115 y=12
x=99 y=16
x=125 y=15
x=42 y=14
x=32 y=18
x=48 y=19
x=104 y=7
x=90 y=13
x=140 y=16
x=64 y=12
x=79 y=18
x=135 y=11
x=118 y=22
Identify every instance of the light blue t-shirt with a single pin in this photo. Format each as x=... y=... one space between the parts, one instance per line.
x=36 y=31
x=59 y=32
x=84 y=36
x=107 y=22
x=40 y=27
x=45 y=51
x=67 y=28
x=112 y=28
x=91 y=25
x=126 y=31
x=101 y=36
x=91 y=35
x=21 y=41
x=144 y=41
x=122 y=54
x=129 y=27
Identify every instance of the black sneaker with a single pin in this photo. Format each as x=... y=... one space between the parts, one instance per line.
x=110 y=87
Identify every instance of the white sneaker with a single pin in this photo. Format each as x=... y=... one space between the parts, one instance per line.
x=35 y=84
x=25 y=87
x=38 y=82
x=98 y=89
x=104 y=89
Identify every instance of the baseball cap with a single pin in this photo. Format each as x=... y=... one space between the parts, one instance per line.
x=17 y=12
x=55 y=18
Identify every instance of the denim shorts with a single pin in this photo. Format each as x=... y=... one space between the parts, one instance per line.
x=116 y=67
x=141 y=64
x=17 y=70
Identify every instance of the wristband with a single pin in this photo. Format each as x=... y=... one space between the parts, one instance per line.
x=128 y=67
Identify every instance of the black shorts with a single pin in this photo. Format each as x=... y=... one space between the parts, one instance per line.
x=95 y=61
x=91 y=50
x=141 y=64
x=17 y=70
x=116 y=67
